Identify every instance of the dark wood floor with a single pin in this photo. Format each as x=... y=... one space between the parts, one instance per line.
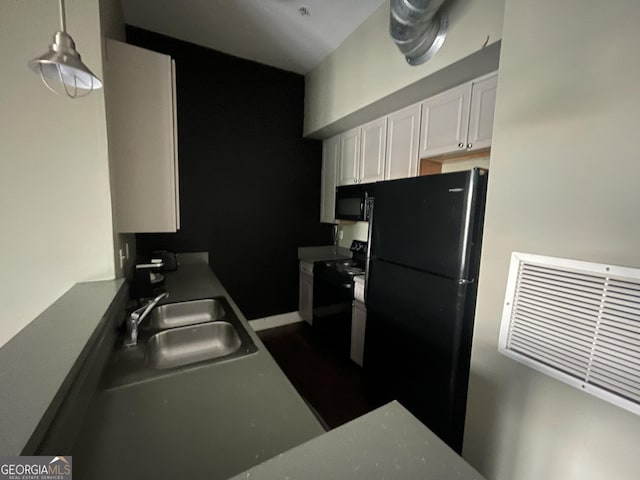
x=321 y=372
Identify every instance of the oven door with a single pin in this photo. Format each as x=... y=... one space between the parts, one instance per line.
x=332 y=299
x=332 y=293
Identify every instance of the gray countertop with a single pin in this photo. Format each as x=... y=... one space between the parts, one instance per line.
x=323 y=253
x=211 y=421
x=38 y=362
x=386 y=443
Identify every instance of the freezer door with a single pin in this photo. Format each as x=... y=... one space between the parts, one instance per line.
x=417 y=345
x=430 y=223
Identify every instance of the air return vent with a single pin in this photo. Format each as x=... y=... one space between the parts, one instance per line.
x=576 y=321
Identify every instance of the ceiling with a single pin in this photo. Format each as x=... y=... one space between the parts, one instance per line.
x=272 y=32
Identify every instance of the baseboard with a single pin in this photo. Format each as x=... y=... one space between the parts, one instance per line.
x=275 y=321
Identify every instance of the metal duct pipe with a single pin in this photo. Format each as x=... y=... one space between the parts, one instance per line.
x=418 y=27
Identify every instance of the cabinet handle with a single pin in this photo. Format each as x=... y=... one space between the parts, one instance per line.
x=461 y=145
x=355 y=180
x=469 y=145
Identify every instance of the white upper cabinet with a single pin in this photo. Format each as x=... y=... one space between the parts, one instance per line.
x=362 y=153
x=483 y=102
x=330 y=160
x=141 y=119
x=349 y=157
x=460 y=119
x=445 y=120
x=403 y=132
x=372 y=158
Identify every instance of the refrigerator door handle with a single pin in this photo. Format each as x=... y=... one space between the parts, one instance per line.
x=370 y=208
x=466 y=281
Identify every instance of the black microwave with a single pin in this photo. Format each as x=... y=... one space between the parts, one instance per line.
x=353 y=202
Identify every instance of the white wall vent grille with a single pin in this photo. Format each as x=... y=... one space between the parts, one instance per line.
x=576 y=321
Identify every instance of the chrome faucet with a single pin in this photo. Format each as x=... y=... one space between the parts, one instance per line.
x=137 y=317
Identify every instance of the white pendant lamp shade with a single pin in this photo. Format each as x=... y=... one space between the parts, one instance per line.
x=61 y=68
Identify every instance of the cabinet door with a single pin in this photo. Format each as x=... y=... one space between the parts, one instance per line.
x=483 y=102
x=174 y=101
x=305 y=298
x=358 y=324
x=349 y=157
x=330 y=154
x=372 y=156
x=141 y=131
x=444 y=123
x=403 y=131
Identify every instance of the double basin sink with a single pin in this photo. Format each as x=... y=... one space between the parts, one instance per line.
x=180 y=335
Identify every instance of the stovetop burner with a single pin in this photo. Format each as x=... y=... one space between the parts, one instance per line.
x=350 y=270
x=349 y=267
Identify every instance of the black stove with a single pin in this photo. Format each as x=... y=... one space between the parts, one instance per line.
x=333 y=295
x=348 y=267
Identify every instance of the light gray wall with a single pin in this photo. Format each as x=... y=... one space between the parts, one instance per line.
x=368 y=67
x=54 y=177
x=563 y=182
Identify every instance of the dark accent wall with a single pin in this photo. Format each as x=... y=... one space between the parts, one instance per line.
x=249 y=182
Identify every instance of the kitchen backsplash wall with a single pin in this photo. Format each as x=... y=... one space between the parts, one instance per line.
x=353 y=231
x=249 y=182
x=459 y=165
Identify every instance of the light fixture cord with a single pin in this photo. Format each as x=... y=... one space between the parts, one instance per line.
x=63 y=17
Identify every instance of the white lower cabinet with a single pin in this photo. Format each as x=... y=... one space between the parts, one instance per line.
x=358 y=324
x=305 y=295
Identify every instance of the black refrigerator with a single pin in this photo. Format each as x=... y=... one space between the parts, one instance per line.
x=425 y=241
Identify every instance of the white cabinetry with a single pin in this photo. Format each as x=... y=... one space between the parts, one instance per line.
x=445 y=120
x=374 y=139
x=403 y=131
x=456 y=121
x=142 y=131
x=358 y=324
x=460 y=119
x=362 y=153
x=483 y=102
x=330 y=161
x=349 y=157
x=305 y=297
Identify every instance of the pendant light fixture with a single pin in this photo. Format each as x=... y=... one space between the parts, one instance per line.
x=61 y=69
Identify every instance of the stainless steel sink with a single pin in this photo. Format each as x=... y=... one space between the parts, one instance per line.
x=172 y=315
x=166 y=348
x=186 y=345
